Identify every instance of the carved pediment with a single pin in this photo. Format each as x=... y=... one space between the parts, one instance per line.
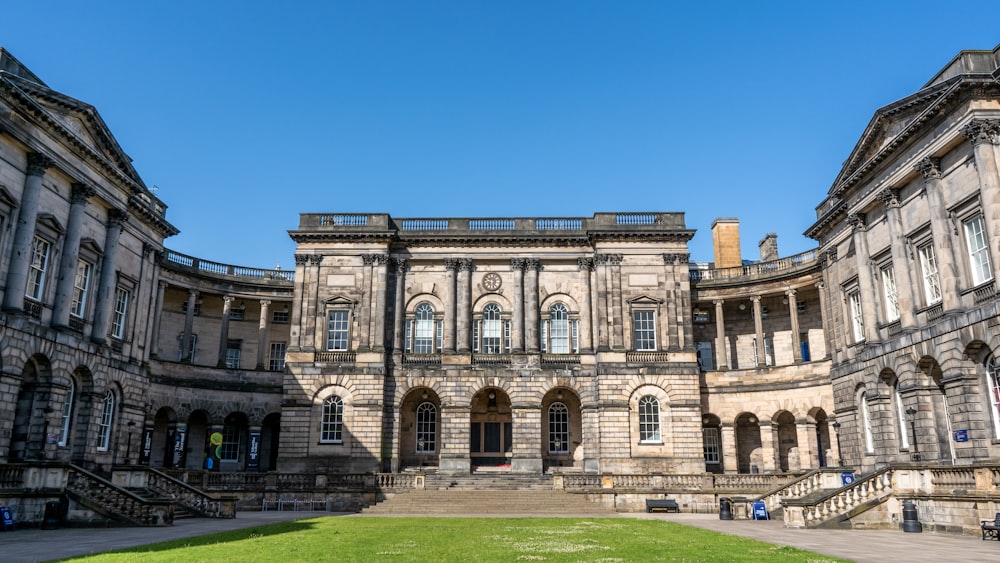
x=6 y=198
x=91 y=245
x=49 y=221
x=340 y=300
x=645 y=300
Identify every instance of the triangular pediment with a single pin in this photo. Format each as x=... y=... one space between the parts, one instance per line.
x=90 y=245
x=6 y=198
x=79 y=120
x=50 y=222
x=644 y=300
x=340 y=300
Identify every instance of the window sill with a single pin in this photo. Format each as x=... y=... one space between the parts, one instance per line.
x=650 y=443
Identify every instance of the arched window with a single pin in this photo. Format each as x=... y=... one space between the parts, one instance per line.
x=993 y=382
x=558 y=429
x=332 y=424
x=559 y=329
x=423 y=330
x=426 y=428
x=67 y=413
x=649 y=419
x=492 y=329
x=107 y=411
x=866 y=420
x=904 y=437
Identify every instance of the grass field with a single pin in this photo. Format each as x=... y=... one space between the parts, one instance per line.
x=465 y=539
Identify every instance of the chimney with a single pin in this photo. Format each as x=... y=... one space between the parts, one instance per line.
x=726 y=242
x=768 y=247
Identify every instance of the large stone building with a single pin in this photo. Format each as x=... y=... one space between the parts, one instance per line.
x=588 y=345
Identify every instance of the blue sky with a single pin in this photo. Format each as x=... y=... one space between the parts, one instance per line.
x=245 y=114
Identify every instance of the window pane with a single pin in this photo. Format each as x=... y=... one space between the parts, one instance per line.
x=711 y=439
x=276 y=359
x=230 y=450
x=649 y=419
x=492 y=329
x=558 y=429
x=644 y=328
x=121 y=312
x=889 y=293
x=332 y=423
x=423 y=333
x=559 y=329
x=928 y=267
x=104 y=425
x=81 y=285
x=857 y=321
x=979 y=259
x=39 y=263
x=337 y=331
x=426 y=428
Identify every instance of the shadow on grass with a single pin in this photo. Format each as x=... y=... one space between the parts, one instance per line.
x=209 y=538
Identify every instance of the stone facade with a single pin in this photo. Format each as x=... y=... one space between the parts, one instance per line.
x=909 y=234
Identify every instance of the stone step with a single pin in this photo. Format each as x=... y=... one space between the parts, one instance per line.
x=493 y=502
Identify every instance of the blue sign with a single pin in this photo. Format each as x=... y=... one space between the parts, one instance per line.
x=961 y=435
x=6 y=518
x=760 y=510
x=847 y=478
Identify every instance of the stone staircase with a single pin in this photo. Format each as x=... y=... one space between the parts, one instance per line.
x=488 y=495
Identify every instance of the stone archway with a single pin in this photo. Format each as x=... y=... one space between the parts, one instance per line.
x=491 y=432
x=788 y=442
x=562 y=429
x=749 y=450
x=420 y=428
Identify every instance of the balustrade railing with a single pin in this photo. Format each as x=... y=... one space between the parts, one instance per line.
x=12 y=476
x=647 y=357
x=491 y=359
x=341 y=357
x=560 y=359
x=840 y=501
x=171 y=258
x=113 y=501
x=421 y=359
x=190 y=497
x=759 y=270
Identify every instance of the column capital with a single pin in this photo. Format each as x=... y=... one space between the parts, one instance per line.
x=718 y=302
x=533 y=264
x=116 y=217
x=791 y=292
x=980 y=131
x=889 y=197
x=265 y=302
x=466 y=265
x=612 y=259
x=679 y=258
x=585 y=263
x=518 y=264
x=315 y=259
x=80 y=192
x=400 y=264
x=192 y=291
x=929 y=168
x=451 y=264
x=856 y=221
x=38 y=163
x=820 y=285
x=755 y=299
x=375 y=259
x=228 y=299
x=301 y=258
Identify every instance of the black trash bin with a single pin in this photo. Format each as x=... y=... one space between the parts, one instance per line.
x=725 y=508
x=53 y=515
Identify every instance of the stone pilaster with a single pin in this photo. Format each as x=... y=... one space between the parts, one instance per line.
x=941 y=233
x=984 y=135
x=380 y=274
x=758 y=328
x=400 y=265
x=227 y=306
x=451 y=305
x=866 y=283
x=188 y=327
x=793 y=314
x=531 y=305
x=24 y=232
x=586 y=266
x=902 y=271
x=109 y=276
x=265 y=305
x=154 y=344
x=721 y=345
x=464 y=305
x=297 y=313
x=517 y=265
x=69 y=262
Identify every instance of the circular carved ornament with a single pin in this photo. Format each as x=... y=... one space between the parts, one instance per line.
x=492 y=281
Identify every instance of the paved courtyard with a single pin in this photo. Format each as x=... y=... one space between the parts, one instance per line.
x=30 y=545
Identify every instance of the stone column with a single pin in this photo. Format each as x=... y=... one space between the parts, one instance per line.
x=365 y=310
x=451 y=306
x=984 y=134
x=69 y=262
x=109 y=276
x=227 y=306
x=866 y=285
x=793 y=314
x=517 y=265
x=586 y=266
x=758 y=328
x=666 y=338
x=901 y=267
x=154 y=344
x=188 y=327
x=941 y=233
x=821 y=288
x=297 y=313
x=767 y=442
x=316 y=311
x=602 y=313
x=721 y=347
x=464 y=305
x=398 y=338
x=805 y=436
x=380 y=284
x=265 y=305
x=615 y=283
x=527 y=427
x=730 y=458
x=24 y=232
x=533 y=266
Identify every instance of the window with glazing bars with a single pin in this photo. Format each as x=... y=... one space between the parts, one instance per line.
x=336 y=331
x=649 y=419
x=332 y=424
x=426 y=428
x=558 y=429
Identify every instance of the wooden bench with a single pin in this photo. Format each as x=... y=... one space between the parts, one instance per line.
x=666 y=504
x=991 y=528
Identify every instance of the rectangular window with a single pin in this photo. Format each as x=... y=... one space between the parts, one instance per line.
x=238 y=313
x=279 y=317
x=506 y=335
x=233 y=354
x=979 y=256
x=192 y=347
x=929 y=271
x=644 y=330
x=889 y=293
x=439 y=337
x=706 y=360
x=336 y=331
x=543 y=345
x=857 y=321
x=711 y=439
x=230 y=449
x=197 y=307
x=39 y=263
x=574 y=327
x=276 y=358
x=122 y=296
x=81 y=285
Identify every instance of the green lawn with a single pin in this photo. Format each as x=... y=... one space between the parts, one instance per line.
x=465 y=539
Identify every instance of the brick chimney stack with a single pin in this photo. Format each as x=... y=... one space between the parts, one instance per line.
x=768 y=247
x=726 y=242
